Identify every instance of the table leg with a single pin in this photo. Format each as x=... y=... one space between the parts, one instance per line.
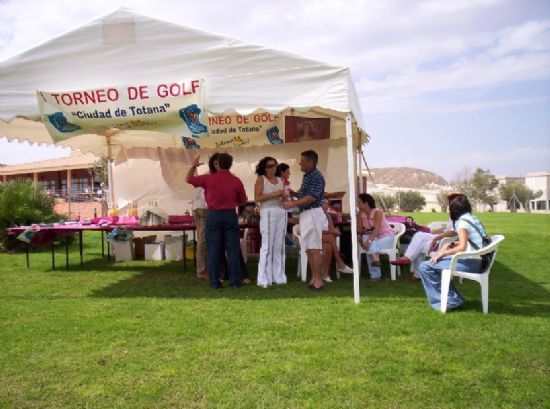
x=184 y=244
x=80 y=248
x=194 y=249
x=53 y=255
x=108 y=251
x=67 y=253
x=102 y=245
x=27 y=255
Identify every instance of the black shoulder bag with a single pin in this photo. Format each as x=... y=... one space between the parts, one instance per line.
x=485 y=240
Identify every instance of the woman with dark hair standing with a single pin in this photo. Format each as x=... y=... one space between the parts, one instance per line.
x=377 y=233
x=283 y=172
x=268 y=192
x=470 y=231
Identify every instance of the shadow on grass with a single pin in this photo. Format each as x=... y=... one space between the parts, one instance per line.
x=510 y=292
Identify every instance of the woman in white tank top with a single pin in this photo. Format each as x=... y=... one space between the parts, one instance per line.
x=268 y=191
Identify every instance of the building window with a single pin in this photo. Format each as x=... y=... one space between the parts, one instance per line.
x=47 y=185
x=541 y=204
x=79 y=185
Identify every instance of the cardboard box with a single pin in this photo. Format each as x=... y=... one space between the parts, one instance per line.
x=123 y=250
x=173 y=247
x=154 y=251
x=139 y=246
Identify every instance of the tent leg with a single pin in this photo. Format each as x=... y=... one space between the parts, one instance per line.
x=352 y=177
x=360 y=177
x=111 y=184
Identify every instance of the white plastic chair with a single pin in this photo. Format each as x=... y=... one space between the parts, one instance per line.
x=392 y=252
x=301 y=270
x=482 y=278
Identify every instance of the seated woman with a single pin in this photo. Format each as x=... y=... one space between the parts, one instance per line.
x=377 y=233
x=330 y=249
x=423 y=243
x=469 y=228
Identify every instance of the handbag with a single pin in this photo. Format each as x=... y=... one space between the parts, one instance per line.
x=485 y=240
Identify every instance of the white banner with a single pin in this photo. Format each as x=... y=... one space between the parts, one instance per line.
x=175 y=108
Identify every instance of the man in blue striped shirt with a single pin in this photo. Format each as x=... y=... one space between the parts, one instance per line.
x=310 y=198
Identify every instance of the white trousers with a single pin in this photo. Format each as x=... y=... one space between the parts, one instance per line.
x=271 y=266
x=418 y=249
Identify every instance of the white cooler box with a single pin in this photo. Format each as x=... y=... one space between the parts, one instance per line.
x=173 y=247
x=154 y=251
x=124 y=250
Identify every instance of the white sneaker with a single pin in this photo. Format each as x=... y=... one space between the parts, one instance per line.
x=327 y=280
x=345 y=270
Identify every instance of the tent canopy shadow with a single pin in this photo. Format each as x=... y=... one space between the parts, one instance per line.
x=510 y=293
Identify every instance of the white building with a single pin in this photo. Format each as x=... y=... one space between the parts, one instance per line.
x=502 y=205
x=539 y=181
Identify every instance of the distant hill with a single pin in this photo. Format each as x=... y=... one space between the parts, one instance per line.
x=412 y=178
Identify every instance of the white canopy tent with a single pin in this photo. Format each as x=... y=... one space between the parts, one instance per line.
x=127 y=48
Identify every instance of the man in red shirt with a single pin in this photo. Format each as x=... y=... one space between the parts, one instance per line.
x=224 y=192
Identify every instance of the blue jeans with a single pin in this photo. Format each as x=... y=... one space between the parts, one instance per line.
x=222 y=228
x=431 y=279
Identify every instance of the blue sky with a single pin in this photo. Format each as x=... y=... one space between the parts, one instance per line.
x=444 y=85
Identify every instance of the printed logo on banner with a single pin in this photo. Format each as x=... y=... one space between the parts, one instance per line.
x=60 y=123
x=190 y=143
x=191 y=115
x=273 y=135
x=175 y=108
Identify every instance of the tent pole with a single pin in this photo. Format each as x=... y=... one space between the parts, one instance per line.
x=360 y=172
x=110 y=174
x=111 y=184
x=352 y=177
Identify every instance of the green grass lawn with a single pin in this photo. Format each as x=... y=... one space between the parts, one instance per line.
x=148 y=335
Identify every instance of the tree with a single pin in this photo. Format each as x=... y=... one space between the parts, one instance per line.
x=479 y=187
x=483 y=187
x=411 y=201
x=442 y=199
x=100 y=170
x=23 y=203
x=385 y=202
x=515 y=193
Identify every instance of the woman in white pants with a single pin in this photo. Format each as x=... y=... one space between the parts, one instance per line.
x=423 y=243
x=268 y=192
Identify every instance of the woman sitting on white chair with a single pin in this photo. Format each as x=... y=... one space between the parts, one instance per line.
x=424 y=243
x=330 y=248
x=377 y=233
x=470 y=231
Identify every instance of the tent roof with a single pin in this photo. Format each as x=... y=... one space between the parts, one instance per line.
x=124 y=47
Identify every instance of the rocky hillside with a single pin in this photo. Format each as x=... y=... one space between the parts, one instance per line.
x=408 y=177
